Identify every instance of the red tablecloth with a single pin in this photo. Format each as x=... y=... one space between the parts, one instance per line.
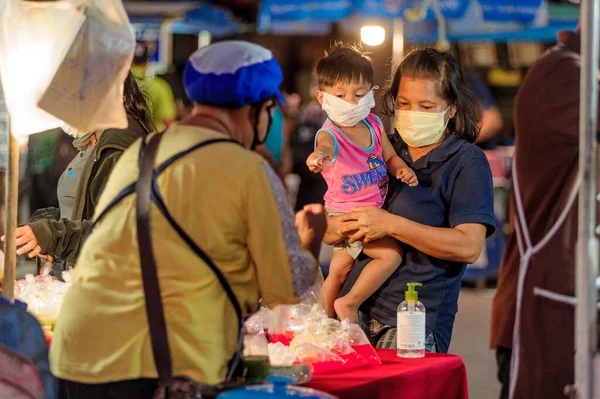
x=434 y=376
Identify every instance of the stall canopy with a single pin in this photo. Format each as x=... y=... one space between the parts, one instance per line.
x=188 y=17
x=499 y=20
x=336 y=10
x=490 y=20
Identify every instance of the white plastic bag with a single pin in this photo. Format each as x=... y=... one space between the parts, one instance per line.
x=34 y=37
x=64 y=61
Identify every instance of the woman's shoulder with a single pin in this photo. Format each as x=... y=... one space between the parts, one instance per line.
x=470 y=150
x=466 y=153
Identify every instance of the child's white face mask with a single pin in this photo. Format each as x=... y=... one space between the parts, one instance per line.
x=344 y=113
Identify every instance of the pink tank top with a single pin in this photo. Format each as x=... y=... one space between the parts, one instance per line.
x=357 y=176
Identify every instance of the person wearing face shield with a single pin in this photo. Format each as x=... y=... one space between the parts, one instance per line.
x=442 y=223
x=221 y=236
x=57 y=234
x=354 y=155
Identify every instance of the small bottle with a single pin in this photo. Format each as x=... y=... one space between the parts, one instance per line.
x=411 y=325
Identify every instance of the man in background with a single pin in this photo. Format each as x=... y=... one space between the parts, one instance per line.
x=162 y=101
x=546 y=160
x=491 y=118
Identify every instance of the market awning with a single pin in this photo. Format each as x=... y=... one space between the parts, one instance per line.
x=336 y=10
x=188 y=17
x=490 y=20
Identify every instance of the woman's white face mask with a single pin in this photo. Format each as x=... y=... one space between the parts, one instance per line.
x=420 y=129
x=344 y=113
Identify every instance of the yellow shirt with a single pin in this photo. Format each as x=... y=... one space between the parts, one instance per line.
x=234 y=207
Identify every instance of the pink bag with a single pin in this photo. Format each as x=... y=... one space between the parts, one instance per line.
x=19 y=378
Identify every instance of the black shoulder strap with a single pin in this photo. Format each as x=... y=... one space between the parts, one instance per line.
x=154 y=306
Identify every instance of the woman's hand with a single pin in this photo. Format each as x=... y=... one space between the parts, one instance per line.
x=27 y=243
x=366 y=224
x=311 y=223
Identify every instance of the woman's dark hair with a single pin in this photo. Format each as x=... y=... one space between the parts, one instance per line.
x=445 y=69
x=345 y=63
x=136 y=104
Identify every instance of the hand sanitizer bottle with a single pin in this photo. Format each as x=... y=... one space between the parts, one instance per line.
x=411 y=325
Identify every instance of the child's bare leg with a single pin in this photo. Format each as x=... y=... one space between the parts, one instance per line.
x=339 y=268
x=386 y=257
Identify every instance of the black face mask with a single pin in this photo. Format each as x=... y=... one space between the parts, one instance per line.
x=256 y=141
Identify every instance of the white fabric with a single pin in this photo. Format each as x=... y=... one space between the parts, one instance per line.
x=526 y=251
x=228 y=57
x=64 y=61
x=344 y=113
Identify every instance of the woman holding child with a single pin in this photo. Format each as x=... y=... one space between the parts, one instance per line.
x=435 y=223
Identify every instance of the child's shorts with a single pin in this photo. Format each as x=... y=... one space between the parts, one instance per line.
x=354 y=249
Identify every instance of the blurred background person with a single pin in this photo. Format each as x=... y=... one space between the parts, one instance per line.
x=312 y=186
x=49 y=154
x=491 y=119
x=162 y=101
x=57 y=233
x=546 y=163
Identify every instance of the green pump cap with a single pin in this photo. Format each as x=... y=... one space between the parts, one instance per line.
x=411 y=294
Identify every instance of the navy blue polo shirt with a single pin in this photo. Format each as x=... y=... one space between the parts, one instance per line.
x=455 y=187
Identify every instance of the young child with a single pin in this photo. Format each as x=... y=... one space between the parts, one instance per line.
x=354 y=155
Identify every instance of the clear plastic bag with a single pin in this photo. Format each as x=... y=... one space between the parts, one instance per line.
x=87 y=90
x=309 y=353
x=337 y=346
x=259 y=321
x=352 y=333
x=315 y=295
x=64 y=62
x=280 y=354
x=304 y=333
x=43 y=295
x=255 y=345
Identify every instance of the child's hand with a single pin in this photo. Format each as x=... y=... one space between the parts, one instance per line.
x=408 y=176
x=317 y=161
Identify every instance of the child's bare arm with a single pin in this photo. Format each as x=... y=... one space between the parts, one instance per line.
x=396 y=166
x=324 y=150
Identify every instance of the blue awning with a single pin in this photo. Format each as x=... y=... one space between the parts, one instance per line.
x=510 y=10
x=395 y=9
x=190 y=17
x=274 y=11
x=475 y=20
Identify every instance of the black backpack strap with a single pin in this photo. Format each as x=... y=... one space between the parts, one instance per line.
x=154 y=306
